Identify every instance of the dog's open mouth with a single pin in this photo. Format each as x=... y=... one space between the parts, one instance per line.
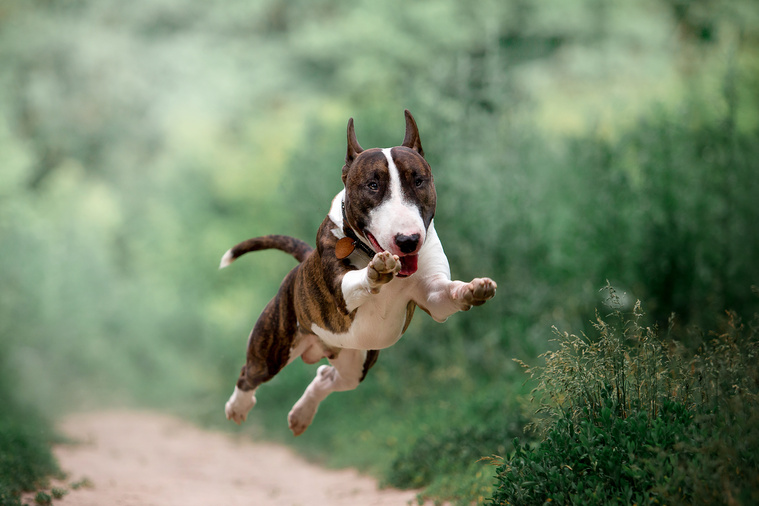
x=408 y=265
x=408 y=262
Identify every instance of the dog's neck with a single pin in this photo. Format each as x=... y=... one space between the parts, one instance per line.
x=349 y=232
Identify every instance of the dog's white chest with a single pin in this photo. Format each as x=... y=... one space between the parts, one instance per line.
x=378 y=323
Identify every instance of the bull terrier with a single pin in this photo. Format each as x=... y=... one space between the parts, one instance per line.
x=377 y=258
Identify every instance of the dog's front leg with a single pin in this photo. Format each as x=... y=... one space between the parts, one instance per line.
x=357 y=286
x=444 y=297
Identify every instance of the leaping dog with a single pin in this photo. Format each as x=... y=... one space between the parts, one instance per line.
x=377 y=258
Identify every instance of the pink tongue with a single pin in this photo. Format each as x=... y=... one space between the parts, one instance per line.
x=408 y=265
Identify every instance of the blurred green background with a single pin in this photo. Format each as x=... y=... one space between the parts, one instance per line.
x=572 y=142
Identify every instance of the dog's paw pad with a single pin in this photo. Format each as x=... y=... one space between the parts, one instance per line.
x=478 y=291
x=483 y=289
x=383 y=267
x=385 y=262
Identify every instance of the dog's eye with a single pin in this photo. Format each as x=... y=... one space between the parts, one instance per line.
x=373 y=185
x=419 y=182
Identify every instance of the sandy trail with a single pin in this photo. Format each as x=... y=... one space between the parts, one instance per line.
x=148 y=459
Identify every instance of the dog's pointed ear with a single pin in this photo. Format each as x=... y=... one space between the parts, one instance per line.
x=354 y=148
x=411 y=139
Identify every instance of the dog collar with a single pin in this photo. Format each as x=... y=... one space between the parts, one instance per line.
x=348 y=244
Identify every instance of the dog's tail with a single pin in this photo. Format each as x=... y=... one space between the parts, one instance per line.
x=291 y=245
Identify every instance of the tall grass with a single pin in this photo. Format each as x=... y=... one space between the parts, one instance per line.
x=623 y=363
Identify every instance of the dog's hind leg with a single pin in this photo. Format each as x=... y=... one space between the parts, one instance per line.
x=242 y=401
x=270 y=348
x=348 y=369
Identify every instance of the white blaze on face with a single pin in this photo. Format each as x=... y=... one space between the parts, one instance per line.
x=395 y=215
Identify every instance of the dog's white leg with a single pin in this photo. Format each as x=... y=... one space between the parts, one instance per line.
x=344 y=374
x=440 y=296
x=239 y=404
x=359 y=285
x=445 y=297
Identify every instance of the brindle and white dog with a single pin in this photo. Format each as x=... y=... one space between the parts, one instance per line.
x=377 y=257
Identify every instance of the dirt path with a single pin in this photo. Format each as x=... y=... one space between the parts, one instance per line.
x=147 y=459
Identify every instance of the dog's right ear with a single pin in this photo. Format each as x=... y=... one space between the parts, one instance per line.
x=411 y=139
x=354 y=149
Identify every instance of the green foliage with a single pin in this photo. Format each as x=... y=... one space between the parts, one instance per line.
x=627 y=421
x=43 y=499
x=26 y=460
x=25 y=457
x=58 y=493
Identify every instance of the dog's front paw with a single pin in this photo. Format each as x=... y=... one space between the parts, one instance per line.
x=382 y=268
x=475 y=293
x=238 y=405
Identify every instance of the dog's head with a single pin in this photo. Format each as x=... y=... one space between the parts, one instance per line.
x=390 y=195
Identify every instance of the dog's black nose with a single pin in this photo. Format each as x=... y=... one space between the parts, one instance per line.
x=407 y=243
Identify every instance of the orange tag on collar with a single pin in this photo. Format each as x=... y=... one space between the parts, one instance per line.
x=344 y=247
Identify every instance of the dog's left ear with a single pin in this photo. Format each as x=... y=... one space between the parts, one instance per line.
x=411 y=140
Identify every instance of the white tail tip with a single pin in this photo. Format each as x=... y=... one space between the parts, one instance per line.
x=226 y=259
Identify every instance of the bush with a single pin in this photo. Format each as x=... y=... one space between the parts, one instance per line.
x=606 y=459
x=628 y=418
x=25 y=457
